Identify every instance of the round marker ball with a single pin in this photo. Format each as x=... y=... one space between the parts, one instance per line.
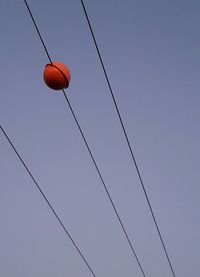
x=57 y=76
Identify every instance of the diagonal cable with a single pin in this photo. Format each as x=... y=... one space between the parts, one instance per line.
x=127 y=138
x=90 y=152
x=104 y=185
x=46 y=200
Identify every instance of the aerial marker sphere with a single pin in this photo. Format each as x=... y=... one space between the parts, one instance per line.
x=57 y=76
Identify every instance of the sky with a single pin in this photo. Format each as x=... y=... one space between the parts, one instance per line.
x=151 y=53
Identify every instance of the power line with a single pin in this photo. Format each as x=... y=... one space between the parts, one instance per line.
x=46 y=200
x=126 y=137
x=90 y=153
x=104 y=185
x=36 y=27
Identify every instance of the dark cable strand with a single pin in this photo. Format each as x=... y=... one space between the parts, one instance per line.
x=46 y=200
x=92 y=157
x=103 y=182
x=37 y=29
x=127 y=139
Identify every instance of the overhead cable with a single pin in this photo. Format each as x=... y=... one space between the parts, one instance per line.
x=46 y=200
x=135 y=164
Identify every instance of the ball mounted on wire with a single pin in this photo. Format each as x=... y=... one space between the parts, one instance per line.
x=57 y=76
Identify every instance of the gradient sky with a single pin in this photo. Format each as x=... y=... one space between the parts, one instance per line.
x=151 y=52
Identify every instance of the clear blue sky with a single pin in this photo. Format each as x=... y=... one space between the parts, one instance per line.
x=151 y=52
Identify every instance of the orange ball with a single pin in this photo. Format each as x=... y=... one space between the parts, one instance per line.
x=57 y=76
